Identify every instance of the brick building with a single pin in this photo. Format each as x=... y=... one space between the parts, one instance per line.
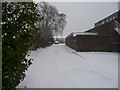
x=105 y=36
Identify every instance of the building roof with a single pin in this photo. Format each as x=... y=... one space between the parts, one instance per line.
x=114 y=16
x=84 y=33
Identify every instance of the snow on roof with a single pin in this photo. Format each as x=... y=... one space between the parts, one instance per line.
x=83 y=33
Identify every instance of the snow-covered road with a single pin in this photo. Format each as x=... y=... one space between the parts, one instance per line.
x=58 y=66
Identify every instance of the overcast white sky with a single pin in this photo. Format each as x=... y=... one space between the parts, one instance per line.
x=81 y=16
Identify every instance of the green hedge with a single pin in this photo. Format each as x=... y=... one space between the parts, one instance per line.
x=18 y=32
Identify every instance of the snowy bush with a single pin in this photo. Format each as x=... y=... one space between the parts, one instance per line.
x=18 y=32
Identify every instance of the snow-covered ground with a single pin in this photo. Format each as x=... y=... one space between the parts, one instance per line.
x=58 y=66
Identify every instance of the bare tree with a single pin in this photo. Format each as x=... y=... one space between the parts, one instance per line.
x=49 y=14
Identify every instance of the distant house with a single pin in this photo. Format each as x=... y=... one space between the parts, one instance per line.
x=60 y=39
x=105 y=36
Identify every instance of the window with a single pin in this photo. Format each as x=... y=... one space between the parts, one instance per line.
x=98 y=24
x=102 y=22
x=113 y=17
x=110 y=18
x=107 y=20
x=116 y=15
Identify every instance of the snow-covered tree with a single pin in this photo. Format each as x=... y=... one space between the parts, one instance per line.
x=60 y=24
x=52 y=24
